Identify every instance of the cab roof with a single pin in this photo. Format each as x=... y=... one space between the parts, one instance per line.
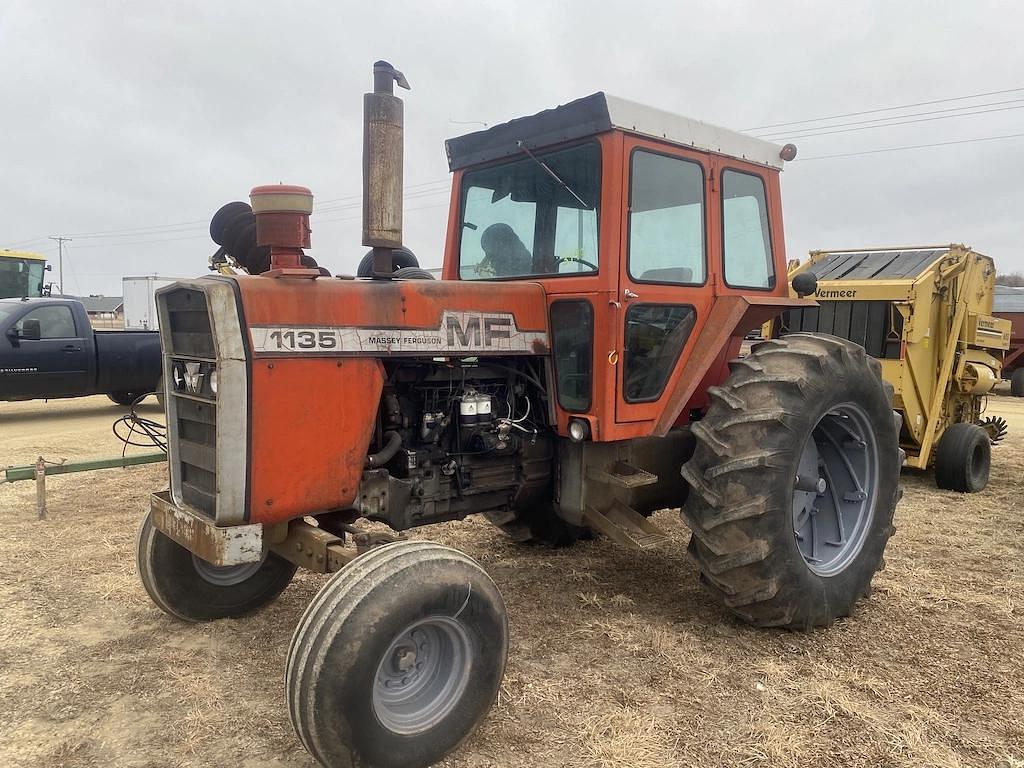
x=6 y=252
x=599 y=113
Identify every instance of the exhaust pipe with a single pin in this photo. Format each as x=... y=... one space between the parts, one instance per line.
x=382 y=167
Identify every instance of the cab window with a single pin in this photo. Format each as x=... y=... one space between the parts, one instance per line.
x=532 y=216
x=666 y=219
x=746 y=239
x=572 y=342
x=655 y=336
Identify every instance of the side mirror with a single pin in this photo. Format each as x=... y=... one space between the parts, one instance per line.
x=805 y=284
x=31 y=330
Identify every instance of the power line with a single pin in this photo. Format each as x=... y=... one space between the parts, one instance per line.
x=884 y=109
x=420 y=189
x=912 y=146
x=145 y=242
x=908 y=122
x=796 y=134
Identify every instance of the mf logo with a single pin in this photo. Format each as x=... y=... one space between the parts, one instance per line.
x=477 y=330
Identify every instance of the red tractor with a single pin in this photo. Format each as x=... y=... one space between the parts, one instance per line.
x=574 y=371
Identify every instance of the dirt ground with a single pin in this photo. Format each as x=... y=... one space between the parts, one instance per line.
x=617 y=659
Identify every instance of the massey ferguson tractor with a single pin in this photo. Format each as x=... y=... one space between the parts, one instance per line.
x=573 y=372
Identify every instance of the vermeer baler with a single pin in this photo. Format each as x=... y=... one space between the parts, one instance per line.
x=926 y=314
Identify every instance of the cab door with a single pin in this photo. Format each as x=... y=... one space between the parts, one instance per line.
x=664 y=289
x=57 y=364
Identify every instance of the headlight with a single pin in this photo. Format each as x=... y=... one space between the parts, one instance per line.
x=579 y=430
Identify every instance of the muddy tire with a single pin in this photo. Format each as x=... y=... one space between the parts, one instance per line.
x=537 y=525
x=963 y=458
x=795 y=478
x=191 y=589
x=1017 y=383
x=397 y=658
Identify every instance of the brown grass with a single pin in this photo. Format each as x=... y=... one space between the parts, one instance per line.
x=617 y=659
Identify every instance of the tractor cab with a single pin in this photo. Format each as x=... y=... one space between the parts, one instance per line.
x=635 y=221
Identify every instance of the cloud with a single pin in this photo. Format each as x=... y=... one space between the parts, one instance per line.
x=121 y=116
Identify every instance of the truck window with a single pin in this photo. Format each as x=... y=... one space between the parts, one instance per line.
x=746 y=240
x=518 y=221
x=55 y=322
x=666 y=219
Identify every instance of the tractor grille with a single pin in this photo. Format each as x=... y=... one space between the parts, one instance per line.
x=875 y=325
x=191 y=359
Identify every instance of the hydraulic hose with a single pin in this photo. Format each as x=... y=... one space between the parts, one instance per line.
x=393 y=441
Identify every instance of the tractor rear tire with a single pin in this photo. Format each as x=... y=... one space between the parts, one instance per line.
x=1017 y=383
x=398 y=657
x=795 y=479
x=963 y=458
x=191 y=589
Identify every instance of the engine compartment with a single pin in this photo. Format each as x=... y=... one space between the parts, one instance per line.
x=456 y=437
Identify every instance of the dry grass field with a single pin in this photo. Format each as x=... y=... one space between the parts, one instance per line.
x=617 y=659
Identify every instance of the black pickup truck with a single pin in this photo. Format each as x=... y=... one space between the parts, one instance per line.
x=48 y=349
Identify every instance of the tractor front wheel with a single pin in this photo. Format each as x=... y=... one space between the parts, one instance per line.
x=795 y=479
x=397 y=658
x=189 y=588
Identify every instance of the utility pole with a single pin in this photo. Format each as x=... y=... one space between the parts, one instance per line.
x=60 y=251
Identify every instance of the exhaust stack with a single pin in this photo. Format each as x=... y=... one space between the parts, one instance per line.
x=382 y=167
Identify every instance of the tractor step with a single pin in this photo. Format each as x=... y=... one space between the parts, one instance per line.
x=624 y=525
x=624 y=475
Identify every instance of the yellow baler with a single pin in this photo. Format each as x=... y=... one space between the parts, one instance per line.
x=925 y=313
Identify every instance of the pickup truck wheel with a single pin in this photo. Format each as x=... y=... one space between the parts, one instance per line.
x=963 y=458
x=192 y=589
x=124 y=398
x=794 y=479
x=398 y=658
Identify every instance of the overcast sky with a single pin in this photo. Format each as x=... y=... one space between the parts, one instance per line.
x=139 y=119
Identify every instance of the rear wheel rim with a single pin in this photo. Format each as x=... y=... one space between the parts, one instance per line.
x=225 y=575
x=422 y=675
x=835 y=491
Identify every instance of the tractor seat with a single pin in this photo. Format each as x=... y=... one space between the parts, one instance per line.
x=669 y=275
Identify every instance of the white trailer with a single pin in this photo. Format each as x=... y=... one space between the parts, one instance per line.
x=140 y=301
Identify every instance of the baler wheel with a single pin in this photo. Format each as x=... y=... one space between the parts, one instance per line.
x=398 y=657
x=794 y=479
x=191 y=589
x=963 y=458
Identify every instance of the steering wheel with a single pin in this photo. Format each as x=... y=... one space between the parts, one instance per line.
x=575 y=260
